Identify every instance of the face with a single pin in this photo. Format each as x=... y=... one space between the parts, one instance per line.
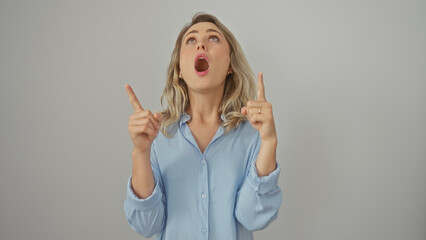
x=204 y=40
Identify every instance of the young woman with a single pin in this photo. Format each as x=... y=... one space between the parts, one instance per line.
x=205 y=167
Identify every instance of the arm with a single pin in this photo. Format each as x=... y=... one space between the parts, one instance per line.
x=144 y=206
x=267 y=159
x=259 y=198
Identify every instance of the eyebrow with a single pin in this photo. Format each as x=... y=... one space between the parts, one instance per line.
x=208 y=30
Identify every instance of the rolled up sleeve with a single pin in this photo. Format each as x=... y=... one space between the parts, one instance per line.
x=146 y=216
x=259 y=198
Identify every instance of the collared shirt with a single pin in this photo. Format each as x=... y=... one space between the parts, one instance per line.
x=216 y=194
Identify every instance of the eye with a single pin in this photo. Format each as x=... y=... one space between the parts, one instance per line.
x=190 y=40
x=214 y=38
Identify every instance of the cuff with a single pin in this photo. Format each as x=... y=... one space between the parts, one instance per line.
x=263 y=184
x=146 y=203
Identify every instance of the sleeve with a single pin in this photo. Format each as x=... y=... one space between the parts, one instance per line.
x=259 y=198
x=147 y=216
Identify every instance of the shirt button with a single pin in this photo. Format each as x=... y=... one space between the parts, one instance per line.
x=203 y=161
x=204 y=195
x=203 y=230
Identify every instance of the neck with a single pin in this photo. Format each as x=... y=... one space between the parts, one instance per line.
x=204 y=108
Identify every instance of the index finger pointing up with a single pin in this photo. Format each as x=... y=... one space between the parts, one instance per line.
x=133 y=99
x=260 y=88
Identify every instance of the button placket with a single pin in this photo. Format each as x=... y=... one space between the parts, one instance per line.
x=203 y=183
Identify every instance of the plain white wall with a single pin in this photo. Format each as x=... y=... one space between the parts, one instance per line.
x=347 y=81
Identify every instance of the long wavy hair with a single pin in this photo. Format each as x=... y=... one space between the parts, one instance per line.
x=239 y=85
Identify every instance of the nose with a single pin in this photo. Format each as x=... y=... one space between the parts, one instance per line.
x=201 y=45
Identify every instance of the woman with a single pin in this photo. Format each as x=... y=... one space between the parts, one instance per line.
x=209 y=173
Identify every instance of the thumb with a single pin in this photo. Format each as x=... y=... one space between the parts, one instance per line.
x=158 y=116
x=244 y=111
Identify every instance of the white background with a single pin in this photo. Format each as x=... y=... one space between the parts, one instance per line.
x=346 y=79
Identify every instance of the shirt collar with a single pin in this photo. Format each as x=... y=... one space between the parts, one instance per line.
x=185 y=117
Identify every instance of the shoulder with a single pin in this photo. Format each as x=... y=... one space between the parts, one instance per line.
x=246 y=134
x=246 y=129
x=161 y=139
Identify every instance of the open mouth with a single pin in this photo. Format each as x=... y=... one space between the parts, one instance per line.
x=201 y=64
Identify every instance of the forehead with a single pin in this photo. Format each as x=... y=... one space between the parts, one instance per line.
x=202 y=27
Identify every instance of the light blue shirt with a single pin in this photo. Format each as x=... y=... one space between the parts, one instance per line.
x=212 y=195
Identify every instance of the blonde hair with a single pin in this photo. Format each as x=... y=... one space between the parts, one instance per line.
x=239 y=85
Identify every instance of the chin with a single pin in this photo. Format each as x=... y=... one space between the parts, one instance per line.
x=205 y=84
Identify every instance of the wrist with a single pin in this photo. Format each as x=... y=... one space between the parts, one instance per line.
x=270 y=143
x=137 y=151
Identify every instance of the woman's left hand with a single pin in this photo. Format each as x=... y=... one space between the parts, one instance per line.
x=259 y=113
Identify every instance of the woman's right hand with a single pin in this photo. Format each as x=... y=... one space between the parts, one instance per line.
x=143 y=125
